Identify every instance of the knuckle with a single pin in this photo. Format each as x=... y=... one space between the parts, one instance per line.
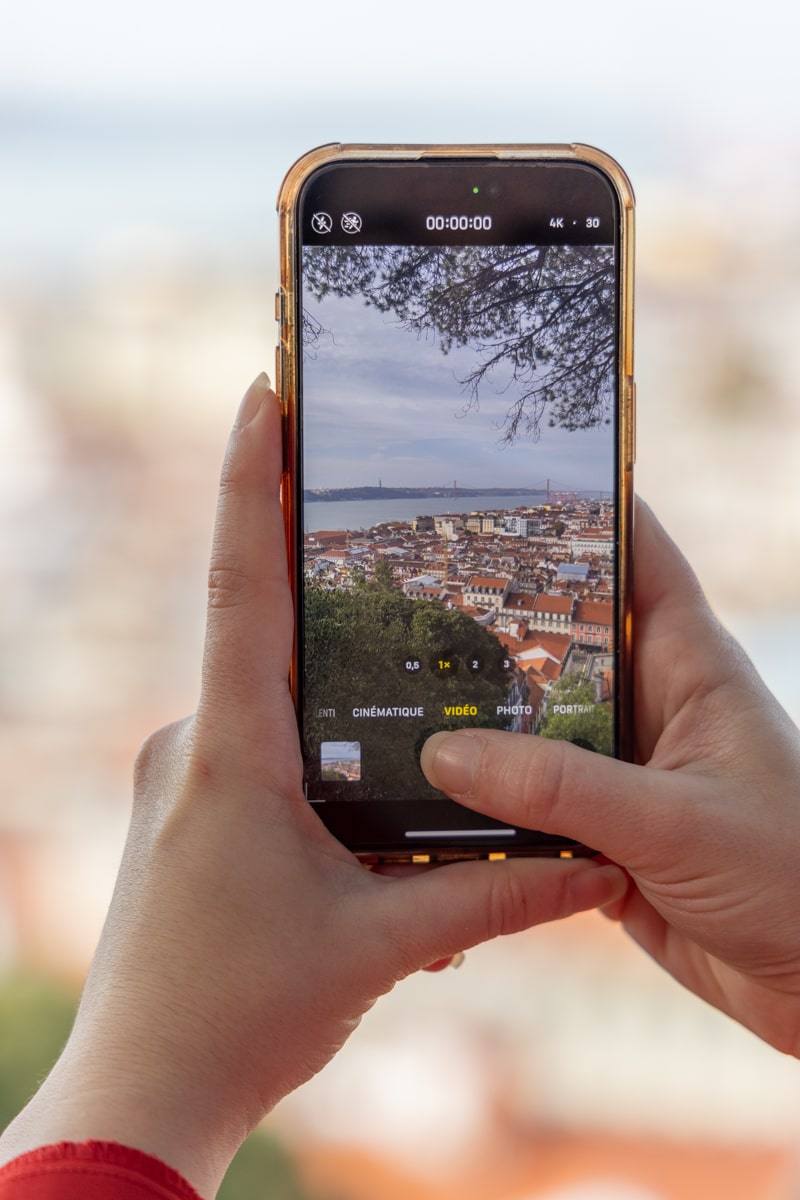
x=398 y=955
x=401 y=935
x=233 y=468
x=535 y=777
x=148 y=754
x=228 y=585
x=155 y=760
x=511 y=906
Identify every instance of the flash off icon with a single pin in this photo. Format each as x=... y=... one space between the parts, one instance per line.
x=321 y=222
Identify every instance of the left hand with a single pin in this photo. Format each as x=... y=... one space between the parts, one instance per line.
x=706 y=823
x=244 y=943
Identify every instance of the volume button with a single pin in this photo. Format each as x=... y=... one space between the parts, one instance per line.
x=629 y=422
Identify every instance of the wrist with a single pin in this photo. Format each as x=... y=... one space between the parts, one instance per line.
x=133 y=1098
x=94 y=1168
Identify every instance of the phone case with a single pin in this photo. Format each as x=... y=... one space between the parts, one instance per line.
x=287 y=365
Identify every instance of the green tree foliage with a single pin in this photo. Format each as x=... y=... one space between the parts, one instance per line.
x=384 y=575
x=262 y=1168
x=540 y=321
x=593 y=729
x=358 y=643
x=36 y=1015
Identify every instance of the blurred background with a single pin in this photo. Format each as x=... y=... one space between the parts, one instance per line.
x=141 y=150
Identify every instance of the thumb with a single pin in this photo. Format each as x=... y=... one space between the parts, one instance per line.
x=616 y=808
x=249 y=622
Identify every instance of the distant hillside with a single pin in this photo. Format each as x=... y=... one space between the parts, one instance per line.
x=412 y=493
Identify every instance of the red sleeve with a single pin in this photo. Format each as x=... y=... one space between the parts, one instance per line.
x=91 y=1171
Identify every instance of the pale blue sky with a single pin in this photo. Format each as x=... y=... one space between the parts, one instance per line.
x=733 y=60
x=127 y=124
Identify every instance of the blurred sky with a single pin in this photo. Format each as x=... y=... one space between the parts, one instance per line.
x=733 y=61
x=214 y=101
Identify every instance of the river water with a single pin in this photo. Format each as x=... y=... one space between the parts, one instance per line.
x=363 y=514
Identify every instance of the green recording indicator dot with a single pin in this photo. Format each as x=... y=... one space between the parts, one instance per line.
x=475 y=191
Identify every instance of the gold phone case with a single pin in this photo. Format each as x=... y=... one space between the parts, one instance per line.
x=287 y=366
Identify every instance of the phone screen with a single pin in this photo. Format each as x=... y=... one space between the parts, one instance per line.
x=457 y=469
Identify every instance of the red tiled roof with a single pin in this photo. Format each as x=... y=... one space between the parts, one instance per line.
x=595 y=612
x=546 y=667
x=556 y=644
x=486 y=581
x=326 y=536
x=547 y=602
x=516 y=600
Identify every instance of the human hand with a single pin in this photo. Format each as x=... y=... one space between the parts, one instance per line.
x=708 y=828
x=244 y=943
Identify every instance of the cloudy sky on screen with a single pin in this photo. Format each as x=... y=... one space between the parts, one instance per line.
x=381 y=403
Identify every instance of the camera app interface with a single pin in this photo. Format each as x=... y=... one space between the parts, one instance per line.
x=458 y=465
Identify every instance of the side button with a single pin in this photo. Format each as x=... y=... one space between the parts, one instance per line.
x=628 y=416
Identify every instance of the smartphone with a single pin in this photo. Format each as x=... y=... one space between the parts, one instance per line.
x=456 y=371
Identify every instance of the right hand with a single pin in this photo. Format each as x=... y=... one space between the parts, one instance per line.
x=708 y=828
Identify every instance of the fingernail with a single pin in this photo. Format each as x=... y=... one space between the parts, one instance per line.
x=453 y=960
x=252 y=400
x=450 y=759
x=439 y=965
x=598 y=887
